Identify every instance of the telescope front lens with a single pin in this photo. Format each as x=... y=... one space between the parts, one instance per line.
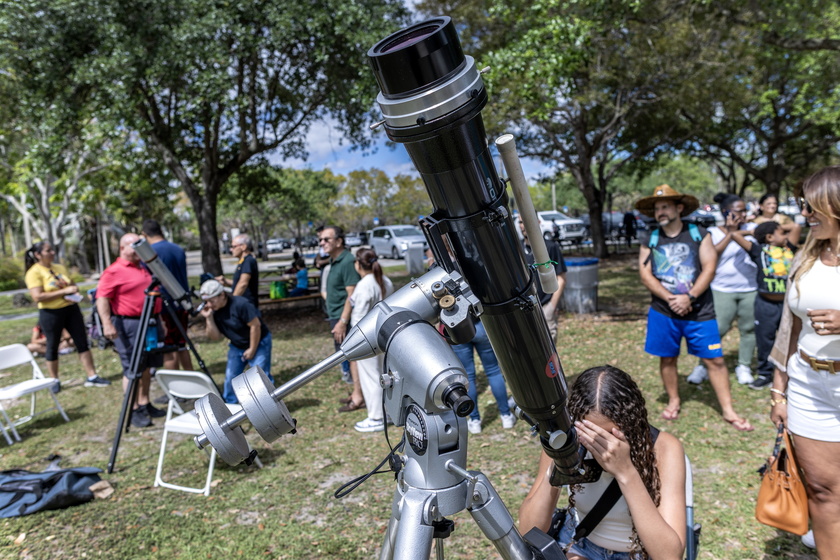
x=408 y=39
x=417 y=57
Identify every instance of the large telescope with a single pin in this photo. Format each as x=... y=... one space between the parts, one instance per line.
x=431 y=98
x=149 y=256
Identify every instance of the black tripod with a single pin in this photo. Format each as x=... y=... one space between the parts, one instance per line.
x=139 y=353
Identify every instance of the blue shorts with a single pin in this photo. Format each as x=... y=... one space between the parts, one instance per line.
x=584 y=547
x=665 y=334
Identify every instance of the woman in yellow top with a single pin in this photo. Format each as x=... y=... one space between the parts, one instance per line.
x=768 y=206
x=57 y=297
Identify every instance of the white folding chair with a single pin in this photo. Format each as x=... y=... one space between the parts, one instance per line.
x=16 y=355
x=186 y=385
x=692 y=531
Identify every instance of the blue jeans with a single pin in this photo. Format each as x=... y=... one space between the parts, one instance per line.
x=236 y=365
x=481 y=344
x=584 y=547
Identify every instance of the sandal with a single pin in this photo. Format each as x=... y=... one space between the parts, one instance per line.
x=351 y=406
x=671 y=413
x=741 y=424
x=346 y=400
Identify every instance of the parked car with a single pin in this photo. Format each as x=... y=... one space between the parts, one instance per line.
x=571 y=229
x=394 y=241
x=613 y=223
x=703 y=218
x=277 y=244
x=309 y=241
x=353 y=239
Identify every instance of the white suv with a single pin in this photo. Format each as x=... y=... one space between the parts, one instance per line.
x=393 y=241
x=571 y=229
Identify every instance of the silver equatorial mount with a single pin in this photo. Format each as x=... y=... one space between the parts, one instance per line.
x=437 y=295
x=424 y=386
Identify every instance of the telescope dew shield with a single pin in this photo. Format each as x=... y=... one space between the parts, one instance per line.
x=431 y=98
x=150 y=257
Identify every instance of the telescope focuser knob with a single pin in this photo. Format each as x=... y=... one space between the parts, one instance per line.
x=456 y=398
x=447 y=301
x=438 y=290
x=386 y=380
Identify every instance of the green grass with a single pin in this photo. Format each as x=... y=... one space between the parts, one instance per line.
x=287 y=511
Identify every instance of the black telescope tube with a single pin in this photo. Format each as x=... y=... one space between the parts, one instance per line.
x=432 y=96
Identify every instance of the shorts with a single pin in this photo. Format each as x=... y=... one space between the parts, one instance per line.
x=813 y=401
x=127 y=329
x=665 y=334
x=584 y=547
x=173 y=333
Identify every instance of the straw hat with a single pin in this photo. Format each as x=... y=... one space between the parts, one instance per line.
x=664 y=192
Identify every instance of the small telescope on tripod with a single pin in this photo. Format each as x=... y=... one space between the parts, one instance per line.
x=431 y=97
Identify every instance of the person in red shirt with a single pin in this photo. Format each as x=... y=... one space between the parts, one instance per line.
x=119 y=301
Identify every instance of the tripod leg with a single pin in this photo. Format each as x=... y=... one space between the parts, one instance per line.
x=414 y=532
x=387 y=552
x=134 y=371
x=128 y=403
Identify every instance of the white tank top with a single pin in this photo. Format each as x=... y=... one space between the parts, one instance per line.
x=819 y=289
x=615 y=531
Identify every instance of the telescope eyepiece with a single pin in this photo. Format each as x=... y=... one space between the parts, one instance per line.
x=456 y=398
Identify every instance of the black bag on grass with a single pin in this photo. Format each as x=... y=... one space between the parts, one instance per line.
x=24 y=492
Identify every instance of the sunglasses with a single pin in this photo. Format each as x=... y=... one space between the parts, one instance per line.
x=325 y=239
x=805 y=205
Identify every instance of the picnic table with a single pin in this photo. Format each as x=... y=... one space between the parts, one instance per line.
x=312 y=299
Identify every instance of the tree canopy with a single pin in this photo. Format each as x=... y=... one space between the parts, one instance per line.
x=205 y=86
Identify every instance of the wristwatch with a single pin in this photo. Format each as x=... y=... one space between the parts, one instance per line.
x=691 y=297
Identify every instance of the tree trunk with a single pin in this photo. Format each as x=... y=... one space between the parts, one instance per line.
x=586 y=183
x=205 y=211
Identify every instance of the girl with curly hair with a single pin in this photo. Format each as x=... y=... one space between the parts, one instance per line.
x=648 y=521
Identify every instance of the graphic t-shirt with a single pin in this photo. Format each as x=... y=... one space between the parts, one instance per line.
x=773 y=267
x=675 y=262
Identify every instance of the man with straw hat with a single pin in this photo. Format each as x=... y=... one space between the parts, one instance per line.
x=677 y=263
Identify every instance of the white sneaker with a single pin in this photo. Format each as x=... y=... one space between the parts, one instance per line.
x=474 y=426
x=508 y=421
x=808 y=539
x=698 y=375
x=744 y=374
x=370 y=425
x=511 y=403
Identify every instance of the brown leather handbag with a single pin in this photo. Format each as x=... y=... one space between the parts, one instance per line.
x=782 y=501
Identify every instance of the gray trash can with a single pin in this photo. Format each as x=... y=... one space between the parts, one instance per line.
x=581 y=292
x=414 y=262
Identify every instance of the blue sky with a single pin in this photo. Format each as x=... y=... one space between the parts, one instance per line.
x=327 y=149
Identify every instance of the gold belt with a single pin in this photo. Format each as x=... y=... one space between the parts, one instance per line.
x=831 y=366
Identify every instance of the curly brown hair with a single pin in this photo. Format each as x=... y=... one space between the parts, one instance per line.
x=613 y=394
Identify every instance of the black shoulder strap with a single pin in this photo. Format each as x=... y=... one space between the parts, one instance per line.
x=605 y=503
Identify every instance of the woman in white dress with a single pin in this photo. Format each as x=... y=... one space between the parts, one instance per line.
x=806 y=386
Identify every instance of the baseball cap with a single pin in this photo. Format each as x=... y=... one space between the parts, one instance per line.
x=211 y=288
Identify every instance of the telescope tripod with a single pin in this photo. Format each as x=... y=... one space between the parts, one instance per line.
x=433 y=483
x=139 y=353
